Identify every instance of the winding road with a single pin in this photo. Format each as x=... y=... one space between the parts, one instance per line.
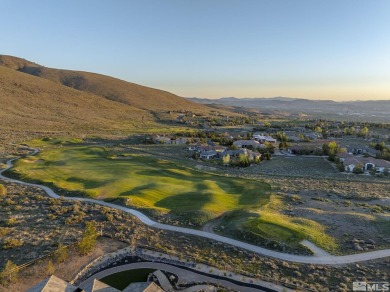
x=317 y=258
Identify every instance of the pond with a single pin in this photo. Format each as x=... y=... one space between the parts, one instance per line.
x=123 y=279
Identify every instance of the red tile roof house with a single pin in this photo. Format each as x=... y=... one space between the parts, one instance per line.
x=351 y=161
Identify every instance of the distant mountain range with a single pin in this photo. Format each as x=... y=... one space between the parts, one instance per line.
x=376 y=110
x=34 y=97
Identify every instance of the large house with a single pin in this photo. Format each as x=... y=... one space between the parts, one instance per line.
x=368 y=163
x=207 y=151
x=58 y=285
x=160 y=139
x=209 y=154
x=248 y=143
x=252 y=155
x=264 y=139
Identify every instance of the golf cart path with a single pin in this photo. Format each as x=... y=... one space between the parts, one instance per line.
x=318 y=257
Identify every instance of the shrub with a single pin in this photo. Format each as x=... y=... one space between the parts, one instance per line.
x=9 y=273
x=50 y=269
x=61 y=253
x=12 y=243
x=3 y=190
x=4 y=231
x=12 y=221
x=87 y=242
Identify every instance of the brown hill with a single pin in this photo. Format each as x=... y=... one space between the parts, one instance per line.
x=33 y=103
x=111 y=88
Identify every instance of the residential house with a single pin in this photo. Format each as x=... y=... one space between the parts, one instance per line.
x=208 y=154
x=158 y=139
x=181 y=140
x=54 y=284
x=236 y=153
x=357 y=150
x=313 y=135
x=264 y=139
x=248 y=143
x=368 y=163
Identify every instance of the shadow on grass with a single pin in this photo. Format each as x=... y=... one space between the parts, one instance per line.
x=254 y=197
x=139 y=189
x=250 y=193
x=164 y=172
x=87 y=183
x=190 y=201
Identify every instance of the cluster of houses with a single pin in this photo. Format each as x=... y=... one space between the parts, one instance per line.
x=301 y=135
x=245 y=147
x=207 y=152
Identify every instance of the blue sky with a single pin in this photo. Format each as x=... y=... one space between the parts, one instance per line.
x=333 y=49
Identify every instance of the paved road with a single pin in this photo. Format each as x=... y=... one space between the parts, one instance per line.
x=324 y=259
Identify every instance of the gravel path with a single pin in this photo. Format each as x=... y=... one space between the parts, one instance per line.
x=322 y=259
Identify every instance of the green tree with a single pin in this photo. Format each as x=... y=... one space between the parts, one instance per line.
x=341 y=167
x=9 y=273
x=226 y=159
x=358 y=169
x=330 y=148
x=61 y=253
x=363 y=132
x=243 y=160
x=318 y=129
x=87 y=242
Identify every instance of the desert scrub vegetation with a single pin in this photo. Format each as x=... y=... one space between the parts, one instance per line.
x=295 y=166
x=3 y=190
x=9 y=243
x=4 y=231
x=42 y=236
x=363 y=190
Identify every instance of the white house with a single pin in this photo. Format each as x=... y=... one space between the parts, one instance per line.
x=264 y=139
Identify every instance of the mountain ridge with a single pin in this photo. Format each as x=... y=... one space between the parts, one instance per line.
x=109 y=87
x=373 y=110
x=34 y=97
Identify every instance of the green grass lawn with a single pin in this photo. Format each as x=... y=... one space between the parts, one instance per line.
x=268 y=223
x=147 y=181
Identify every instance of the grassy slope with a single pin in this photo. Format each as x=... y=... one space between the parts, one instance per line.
x=139 y=96
x=33 y=103
x=154 y=183
x=147 y=181
x=272 y=224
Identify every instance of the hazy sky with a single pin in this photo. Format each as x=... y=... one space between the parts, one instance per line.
x=320 y=49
